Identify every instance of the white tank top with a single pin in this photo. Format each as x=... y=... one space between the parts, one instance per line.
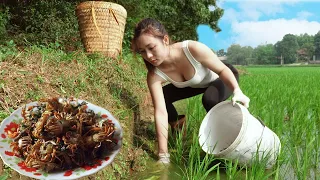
x=202 y=77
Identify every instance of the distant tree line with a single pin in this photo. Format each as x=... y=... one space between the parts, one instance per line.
x=291 y=49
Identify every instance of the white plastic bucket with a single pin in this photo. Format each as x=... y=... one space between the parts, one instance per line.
x=231 y=132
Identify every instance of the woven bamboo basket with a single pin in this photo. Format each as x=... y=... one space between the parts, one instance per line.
x=101 y=26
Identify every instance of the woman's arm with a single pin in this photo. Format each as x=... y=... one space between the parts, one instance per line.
x=208 y=58
x=160 y=111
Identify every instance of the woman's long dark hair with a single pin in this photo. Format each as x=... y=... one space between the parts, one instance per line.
x=149 y=26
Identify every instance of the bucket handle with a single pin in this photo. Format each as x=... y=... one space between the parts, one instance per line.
x=258 y=118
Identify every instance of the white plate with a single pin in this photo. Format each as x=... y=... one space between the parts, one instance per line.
x=17 y=163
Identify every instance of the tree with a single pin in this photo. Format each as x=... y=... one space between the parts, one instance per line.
x=287 y=48
x=234 y=54
x=317 y=45
x=56 y=20
x=304 y=39
x=181 y=17
x=239 y=55
x=247 y=50
x=265 y=54
x=278 y=47
x=221 y=53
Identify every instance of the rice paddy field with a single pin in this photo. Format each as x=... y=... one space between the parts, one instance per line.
x=287 y=100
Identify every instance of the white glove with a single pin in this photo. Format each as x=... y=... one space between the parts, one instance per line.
x=164 y=158
x=239 y=96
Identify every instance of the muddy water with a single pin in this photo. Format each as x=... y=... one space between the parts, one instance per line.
x=156 y=171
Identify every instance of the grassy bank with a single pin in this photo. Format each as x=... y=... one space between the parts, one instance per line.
x=117 y=85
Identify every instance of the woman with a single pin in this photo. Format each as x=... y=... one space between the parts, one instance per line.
x=191 y=67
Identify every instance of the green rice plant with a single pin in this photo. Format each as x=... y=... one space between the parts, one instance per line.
x=232 y=170
x=284 y=104
x=177 y=144
x=196 y=166
x=187 y=152
x=218 y=174
x=257 y=169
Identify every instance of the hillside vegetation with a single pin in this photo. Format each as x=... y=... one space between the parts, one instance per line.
x=115 y=84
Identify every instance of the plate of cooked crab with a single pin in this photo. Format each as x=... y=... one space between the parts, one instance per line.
x=59 y=138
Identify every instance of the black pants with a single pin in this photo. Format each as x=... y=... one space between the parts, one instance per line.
x=212 y=95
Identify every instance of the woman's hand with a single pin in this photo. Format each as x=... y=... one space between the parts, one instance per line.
x=164 y=158
x=239 y=96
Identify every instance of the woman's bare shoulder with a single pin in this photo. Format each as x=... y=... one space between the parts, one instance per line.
x=198 y=49
x=196 y=46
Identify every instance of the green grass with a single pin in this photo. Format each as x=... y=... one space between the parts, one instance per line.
x=287 y=100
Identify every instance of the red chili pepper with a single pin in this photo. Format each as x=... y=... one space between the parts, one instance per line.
x=68 y=173
x=9 y=153
x=86 y=167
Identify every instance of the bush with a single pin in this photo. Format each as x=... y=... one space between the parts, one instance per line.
x=45 y=22
x=4 y=19
x=8 y=49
